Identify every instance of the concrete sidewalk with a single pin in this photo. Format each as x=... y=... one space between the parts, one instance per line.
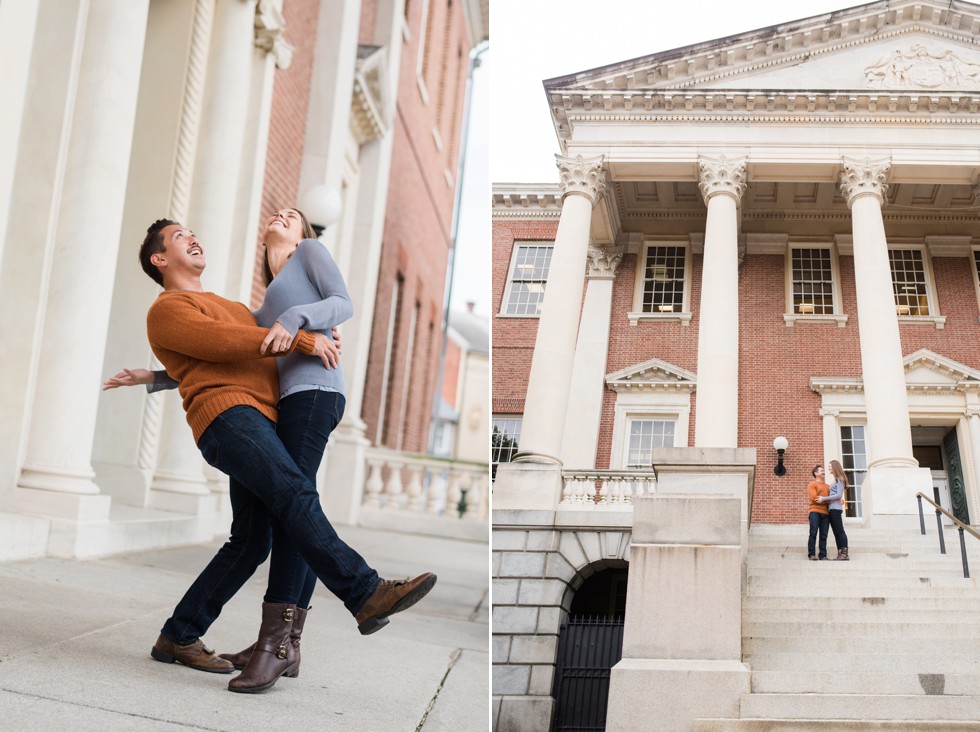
x=75 y=638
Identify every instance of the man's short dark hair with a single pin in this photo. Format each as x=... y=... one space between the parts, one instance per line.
x=153 y=244
x=814 y=471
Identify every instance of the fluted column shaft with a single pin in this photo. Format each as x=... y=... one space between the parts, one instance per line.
x=889 y=434
x=76 y=317
x=546 y=403
x=589 y=365
x=722 y=182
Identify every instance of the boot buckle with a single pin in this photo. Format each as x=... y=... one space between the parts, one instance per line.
x=281 y=652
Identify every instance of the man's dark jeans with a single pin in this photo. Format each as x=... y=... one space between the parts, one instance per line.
x=821 y=522
x=306 y=419
x=265 y=484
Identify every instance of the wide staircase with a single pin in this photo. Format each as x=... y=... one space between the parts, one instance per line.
x=889 y=640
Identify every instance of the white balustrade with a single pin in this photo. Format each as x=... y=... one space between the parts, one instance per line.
x=605 y=489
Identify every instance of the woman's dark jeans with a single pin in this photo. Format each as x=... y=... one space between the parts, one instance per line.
x=821 y=522
x=265 y=484
x=837 y=524
x=306 y=419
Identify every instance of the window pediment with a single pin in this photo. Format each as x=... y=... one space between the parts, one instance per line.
x=652 y=375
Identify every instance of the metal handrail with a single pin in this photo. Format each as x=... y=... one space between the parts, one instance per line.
x=940 y=512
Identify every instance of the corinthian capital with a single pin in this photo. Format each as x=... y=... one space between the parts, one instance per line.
x=604 y=261
x=581 y=175
x=721 y=175
x=864 y=176
x=269 y=24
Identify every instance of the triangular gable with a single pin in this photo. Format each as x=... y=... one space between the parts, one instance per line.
x=652 y=375
x=910 y=45
x=924 y=371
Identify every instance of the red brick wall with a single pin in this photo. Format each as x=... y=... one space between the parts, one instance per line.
x=417 y=234
x=287 y=125
x=775 y=361
x=450 y=384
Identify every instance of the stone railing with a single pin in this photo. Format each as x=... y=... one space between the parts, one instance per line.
x=605 y=488
x=422 y=493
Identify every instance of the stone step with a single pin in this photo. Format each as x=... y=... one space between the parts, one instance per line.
x=871 y=618
x=823 y=627
x=850 y=644
x=844 y=662
x=840 y=582
x=937 y=589
x=23 y=536
x=860 y=706
x=931 y=601
x=828 y=682
x=835 y=725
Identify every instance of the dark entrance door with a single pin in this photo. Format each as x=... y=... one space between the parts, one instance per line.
x=590 y=643
x=954 y=474
x=588 y=648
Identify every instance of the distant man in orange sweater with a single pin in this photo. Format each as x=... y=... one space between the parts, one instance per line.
x=212 y=346
x=819 y=517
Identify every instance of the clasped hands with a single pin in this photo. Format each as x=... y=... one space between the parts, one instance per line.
x=279 y=340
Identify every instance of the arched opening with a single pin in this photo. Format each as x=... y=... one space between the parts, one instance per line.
x=590 y=643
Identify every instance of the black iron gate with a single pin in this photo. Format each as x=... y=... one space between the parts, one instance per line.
x=588 y=647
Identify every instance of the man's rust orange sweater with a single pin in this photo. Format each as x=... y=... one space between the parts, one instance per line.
x=211 y=346
x=815 y=489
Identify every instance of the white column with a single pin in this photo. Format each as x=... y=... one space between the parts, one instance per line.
x=56 y=478
x=863 y=184
x=546 y=404
x=722 y=182
x=18 y=21
x=589 y=364
x=973 y=489
x=831 y=436
x=343 y=473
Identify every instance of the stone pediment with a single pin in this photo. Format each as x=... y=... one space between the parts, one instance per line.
x=925 y=371
x=915 y=45
x=652 y=375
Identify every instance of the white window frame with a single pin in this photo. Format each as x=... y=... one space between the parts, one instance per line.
x=505 y=301
x=841 y=424
x=657 y=405
x=519 y=418
x=632 y=419
x=637 y=315
x=790 y=317
x=932 y=301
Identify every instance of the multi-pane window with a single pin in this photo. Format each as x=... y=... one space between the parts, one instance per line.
x=663 y=279
x=504 y=439
x=854 y=459
x=644 y=435
x=528 y=276
x=813 y=282
x=909 y=281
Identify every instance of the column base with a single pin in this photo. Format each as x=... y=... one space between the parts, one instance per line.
x=888 y=496
x=195 y=504
x=58 y=480
x=527 y=486
x=523 y=713
x=343 y=474
x=59 y=504
x=671 y=694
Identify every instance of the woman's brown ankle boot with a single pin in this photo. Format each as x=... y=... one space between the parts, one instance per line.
x=273 y=655
x=298 y=621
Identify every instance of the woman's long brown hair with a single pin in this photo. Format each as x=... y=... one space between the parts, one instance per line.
x=308 y=233
x=838 y=470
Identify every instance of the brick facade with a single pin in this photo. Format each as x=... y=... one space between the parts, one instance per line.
x=287 y=123
x=402 y=374
x=775 y=361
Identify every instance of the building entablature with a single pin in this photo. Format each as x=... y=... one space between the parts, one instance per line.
x=526 y=200
x=926 y=372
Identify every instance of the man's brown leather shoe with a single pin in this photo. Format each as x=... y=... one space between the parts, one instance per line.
x=390 y=597
x=195 y=655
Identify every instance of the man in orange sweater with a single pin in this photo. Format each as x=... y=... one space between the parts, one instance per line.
x=819 y=517
x=213 y=347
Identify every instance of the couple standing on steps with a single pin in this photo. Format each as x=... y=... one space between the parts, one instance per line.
x=262 y=393
x=827 y=510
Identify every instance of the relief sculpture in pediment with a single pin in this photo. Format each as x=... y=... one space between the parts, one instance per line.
x=918 y=68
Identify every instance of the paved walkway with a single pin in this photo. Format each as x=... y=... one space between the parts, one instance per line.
x=75 y=638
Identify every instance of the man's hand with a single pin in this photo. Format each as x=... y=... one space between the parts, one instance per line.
x=327 y=350
x=128 y=377
x=279 y=340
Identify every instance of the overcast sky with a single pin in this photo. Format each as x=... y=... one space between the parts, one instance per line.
x=511 y=138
